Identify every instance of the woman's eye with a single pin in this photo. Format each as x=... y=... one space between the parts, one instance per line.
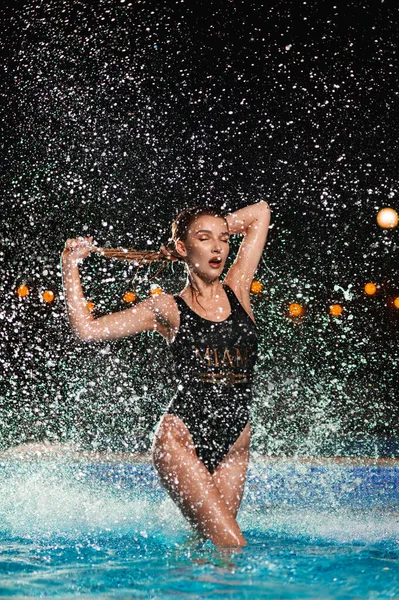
x=204 y=240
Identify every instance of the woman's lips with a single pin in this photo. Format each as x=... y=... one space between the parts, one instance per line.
x=215 y=264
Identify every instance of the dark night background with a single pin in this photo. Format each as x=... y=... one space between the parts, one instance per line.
x=117 y=116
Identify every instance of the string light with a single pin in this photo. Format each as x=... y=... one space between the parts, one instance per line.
x=336 y=310
x=48 y=296
x=129 y=297
x=296 y=310
x=370 y=288
x=256 y=287
x=155 y=289
x=387 y=218
x=23 y=291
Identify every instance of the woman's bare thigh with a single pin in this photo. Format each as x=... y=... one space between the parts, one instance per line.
x=190 y=484
x=171 y=428
x=229 y=476
x=231 y=473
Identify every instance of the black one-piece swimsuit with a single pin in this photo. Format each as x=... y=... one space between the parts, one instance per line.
x=214 y=364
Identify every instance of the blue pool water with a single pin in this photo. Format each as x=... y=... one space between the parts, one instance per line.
x=75 y=529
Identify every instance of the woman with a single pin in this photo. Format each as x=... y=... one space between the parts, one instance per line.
x=201 y=446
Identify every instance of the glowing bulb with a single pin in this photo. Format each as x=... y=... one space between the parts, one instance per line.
x=155 y=290
x=256 y=287
x=396 y=302
x=296 y=310
x=129 y=296
x=48 y=296
x=335 y=310
x=90 y=306
x=370 y=288
x=23 y=291
x=387 y=218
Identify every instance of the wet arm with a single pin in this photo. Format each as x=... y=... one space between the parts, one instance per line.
x=247 y=218
x=253 y=222
x=77 y=309
x=142 y=317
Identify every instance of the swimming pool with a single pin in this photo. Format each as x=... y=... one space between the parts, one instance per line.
x=75 y=528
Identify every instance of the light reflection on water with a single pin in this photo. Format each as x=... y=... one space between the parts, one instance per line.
x=318 y=529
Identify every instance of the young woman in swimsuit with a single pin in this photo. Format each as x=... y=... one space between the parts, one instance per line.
x=201 y=446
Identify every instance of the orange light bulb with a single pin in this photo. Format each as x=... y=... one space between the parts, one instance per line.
x=336 y=310
x=90 y=306
x=155 y=291
x=296 y=310
x=396 y=302
x=23 y=291
x=48 y=296
x=387 y=218
x=370 y=288
x=129 y=296
x=256 y=287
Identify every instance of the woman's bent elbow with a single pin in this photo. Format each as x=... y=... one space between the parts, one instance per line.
x=84 y=334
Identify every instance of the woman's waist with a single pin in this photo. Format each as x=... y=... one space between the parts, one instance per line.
x=214 y=376
x=207 y=356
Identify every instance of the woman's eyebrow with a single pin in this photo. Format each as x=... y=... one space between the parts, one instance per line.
x=207 y=231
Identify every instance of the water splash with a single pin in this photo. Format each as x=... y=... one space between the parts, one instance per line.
x=109 y=526
x=134 y=109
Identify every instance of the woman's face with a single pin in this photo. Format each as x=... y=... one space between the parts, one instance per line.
x=206 y=247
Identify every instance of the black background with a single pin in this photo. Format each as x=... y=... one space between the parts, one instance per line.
x=117 y=116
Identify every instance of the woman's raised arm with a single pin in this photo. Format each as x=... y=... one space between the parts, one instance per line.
x=142 y=317
x=253 y=222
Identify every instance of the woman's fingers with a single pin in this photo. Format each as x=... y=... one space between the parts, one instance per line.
x=167 y=253
x=80 y=246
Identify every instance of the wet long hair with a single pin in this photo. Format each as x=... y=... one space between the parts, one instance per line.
x=179 y=231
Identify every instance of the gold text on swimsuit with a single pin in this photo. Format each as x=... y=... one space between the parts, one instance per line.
x=215 y=357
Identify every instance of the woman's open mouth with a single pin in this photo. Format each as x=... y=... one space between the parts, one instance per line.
x=215 y=262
